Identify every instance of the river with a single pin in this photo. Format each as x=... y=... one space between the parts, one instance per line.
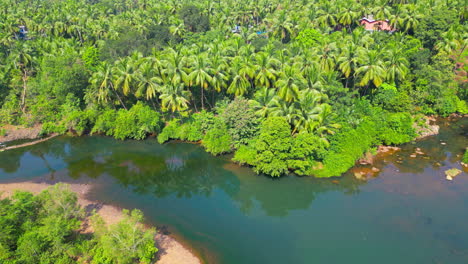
x=408 y=213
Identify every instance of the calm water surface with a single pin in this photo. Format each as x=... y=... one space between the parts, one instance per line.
x=408 y=213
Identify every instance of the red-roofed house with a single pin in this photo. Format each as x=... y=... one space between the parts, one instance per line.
x=376 y=25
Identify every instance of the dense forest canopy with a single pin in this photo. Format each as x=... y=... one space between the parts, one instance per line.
x=289 y=86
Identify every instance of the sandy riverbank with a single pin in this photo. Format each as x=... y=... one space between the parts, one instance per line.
x=170 y=250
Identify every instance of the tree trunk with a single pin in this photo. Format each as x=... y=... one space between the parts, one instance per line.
x=120 y=99
x=23 y=94
x=202 y=95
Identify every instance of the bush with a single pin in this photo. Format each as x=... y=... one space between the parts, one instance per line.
x=170 y=131
x=136 y=123
x=241 y=121
x=347 y=146
x=396 y=129
x=45 y=229
x=105 y=122
x=3 y=132
x=217 y=140
x=390 y=99
x=53 y=127
x=81 y=121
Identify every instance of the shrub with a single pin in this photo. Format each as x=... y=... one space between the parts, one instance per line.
x=80 y=121
x=105 y=122
x=270 y=153
x=136 y=123
x=170 y=131
x=3 y=132
x=53 y=127
x=390 y=99
x=396 y=129
x=347 y=146
x=217 y=140
x=241 y=121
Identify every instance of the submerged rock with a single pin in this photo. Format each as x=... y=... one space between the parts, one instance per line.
x=452 y=173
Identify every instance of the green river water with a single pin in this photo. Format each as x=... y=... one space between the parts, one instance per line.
x=408 y=213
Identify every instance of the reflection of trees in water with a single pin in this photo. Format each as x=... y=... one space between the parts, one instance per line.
x=278 y=197
x=185 y=170
x=10 y=160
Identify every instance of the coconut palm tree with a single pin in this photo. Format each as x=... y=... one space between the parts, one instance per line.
x=240 y=78
x=200 y=75
x=124 y=75
x=174 y=98
x=148 y=83
x=396 y=65
x=371 y=68
x=265 y=73
x=102 y=81
x=263 y=101
x=290 y=82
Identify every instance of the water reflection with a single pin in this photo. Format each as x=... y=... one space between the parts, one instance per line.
x=183 y=170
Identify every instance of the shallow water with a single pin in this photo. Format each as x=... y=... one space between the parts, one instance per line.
x=408 y=213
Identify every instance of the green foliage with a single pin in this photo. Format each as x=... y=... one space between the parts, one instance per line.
x=241 y=121
x=309 y=37
x=269 y=154
x=60 y=76
x=170 y=131
x=45 y=110
x=390 y=99
x=45 y=229
x=465 y=157
x=80 y=121
x=347 y=146
x=52 y=127
x=9 y=111
x=136 y=123
x=396 y=129
x=90 y=57
x=462 y=106
x=124 y=242
x=217 y=140
x=3 y=132
x=105 y=122
x=193 y=18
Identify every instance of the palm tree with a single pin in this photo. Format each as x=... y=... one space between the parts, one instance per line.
x=102 y=80
x=124 y=75
x=281 y=26
x=290 y=83
x=348 y=60
x=174 y=97
x=263 y=101
x=309 y=108
x=371 y=68
x=240 y=83
x=175 y=67
x=284 y=109
x=201 y=75
x=265 y=73
x=148 y=82
x=23 y=59
x=396 y=65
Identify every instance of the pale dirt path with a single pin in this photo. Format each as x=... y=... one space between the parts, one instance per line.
x=170 y=250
